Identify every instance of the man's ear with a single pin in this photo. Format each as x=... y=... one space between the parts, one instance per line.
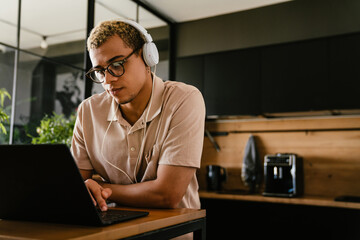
x=142 y=56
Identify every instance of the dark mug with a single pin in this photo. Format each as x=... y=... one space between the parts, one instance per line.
x=215 y=176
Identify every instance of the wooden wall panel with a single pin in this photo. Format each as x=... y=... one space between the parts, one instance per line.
x=331 y=158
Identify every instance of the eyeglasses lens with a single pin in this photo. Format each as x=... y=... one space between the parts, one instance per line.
x=116 y=69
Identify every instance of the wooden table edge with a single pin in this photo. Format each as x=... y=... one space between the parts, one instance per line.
x=143 y=225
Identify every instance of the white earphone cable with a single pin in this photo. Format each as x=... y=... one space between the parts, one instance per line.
x=141 y=150
x=102 y=147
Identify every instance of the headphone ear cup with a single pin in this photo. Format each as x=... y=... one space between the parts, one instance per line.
x=150 y=54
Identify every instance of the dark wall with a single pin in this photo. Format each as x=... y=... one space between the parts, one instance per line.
x=272 y=24
x=317 y=74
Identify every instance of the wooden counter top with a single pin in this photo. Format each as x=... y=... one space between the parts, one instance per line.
x=157 y=219
x=311 y=201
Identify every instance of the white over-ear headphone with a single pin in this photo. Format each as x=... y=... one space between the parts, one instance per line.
x=150 y=52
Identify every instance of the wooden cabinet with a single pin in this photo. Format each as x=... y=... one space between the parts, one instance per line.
x=315 y=74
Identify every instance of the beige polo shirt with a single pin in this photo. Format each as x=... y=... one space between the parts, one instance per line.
x=174 y=136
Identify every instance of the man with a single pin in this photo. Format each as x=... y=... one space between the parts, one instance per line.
x=143 y=136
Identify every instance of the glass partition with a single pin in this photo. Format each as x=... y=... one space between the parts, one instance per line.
x=6 y=83
x=54 y=29
x=44 y=87
x=49 y=61
x=8 y=23
x=111 y=9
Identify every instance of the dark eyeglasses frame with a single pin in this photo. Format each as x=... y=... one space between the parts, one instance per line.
x=100 y=69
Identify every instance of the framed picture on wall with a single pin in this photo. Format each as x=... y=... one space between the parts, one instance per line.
x=70 y=89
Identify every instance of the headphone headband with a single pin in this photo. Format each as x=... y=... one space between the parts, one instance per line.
x=140 y=28
x=150 y=52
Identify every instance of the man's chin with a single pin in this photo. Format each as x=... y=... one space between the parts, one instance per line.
x=122 y=101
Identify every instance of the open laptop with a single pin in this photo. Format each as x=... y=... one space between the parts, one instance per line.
x=42 y=183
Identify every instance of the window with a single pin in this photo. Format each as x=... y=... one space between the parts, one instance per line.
x=47 y=62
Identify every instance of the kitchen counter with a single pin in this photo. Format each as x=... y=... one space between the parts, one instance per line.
x=307 y=200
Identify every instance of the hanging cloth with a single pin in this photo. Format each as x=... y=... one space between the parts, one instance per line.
x=251 y=166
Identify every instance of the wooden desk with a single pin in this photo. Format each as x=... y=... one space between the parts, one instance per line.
x=159 y=224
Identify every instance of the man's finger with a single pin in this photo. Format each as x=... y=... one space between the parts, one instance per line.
x=106 y=193
x=96 y=193
x=88 y=188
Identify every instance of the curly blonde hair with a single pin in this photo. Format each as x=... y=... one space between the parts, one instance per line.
x=106 y=29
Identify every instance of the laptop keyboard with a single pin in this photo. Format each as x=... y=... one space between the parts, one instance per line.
x=112 y=216
x=116 y=215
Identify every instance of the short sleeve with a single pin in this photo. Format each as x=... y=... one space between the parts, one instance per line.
x=78 y=147
x=183 y=144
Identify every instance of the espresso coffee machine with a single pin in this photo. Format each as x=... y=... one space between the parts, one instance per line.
x=282 y=174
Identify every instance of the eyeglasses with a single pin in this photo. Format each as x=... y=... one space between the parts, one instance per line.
x=97 y=74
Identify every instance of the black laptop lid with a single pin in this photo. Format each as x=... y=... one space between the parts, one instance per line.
x=43 y=183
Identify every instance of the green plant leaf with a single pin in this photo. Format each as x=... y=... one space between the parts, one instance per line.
x=3 y=93
x=55 y=129
x=3 y=128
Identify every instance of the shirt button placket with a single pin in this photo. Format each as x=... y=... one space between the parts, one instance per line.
x=132 y=145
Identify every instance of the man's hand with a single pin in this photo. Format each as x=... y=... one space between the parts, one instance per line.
x=166 y=191
x=98 y=193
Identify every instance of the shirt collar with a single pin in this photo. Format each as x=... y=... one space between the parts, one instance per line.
x=156 y=102
x=155 y=108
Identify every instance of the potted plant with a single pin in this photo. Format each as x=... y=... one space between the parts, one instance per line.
x=55 y=129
